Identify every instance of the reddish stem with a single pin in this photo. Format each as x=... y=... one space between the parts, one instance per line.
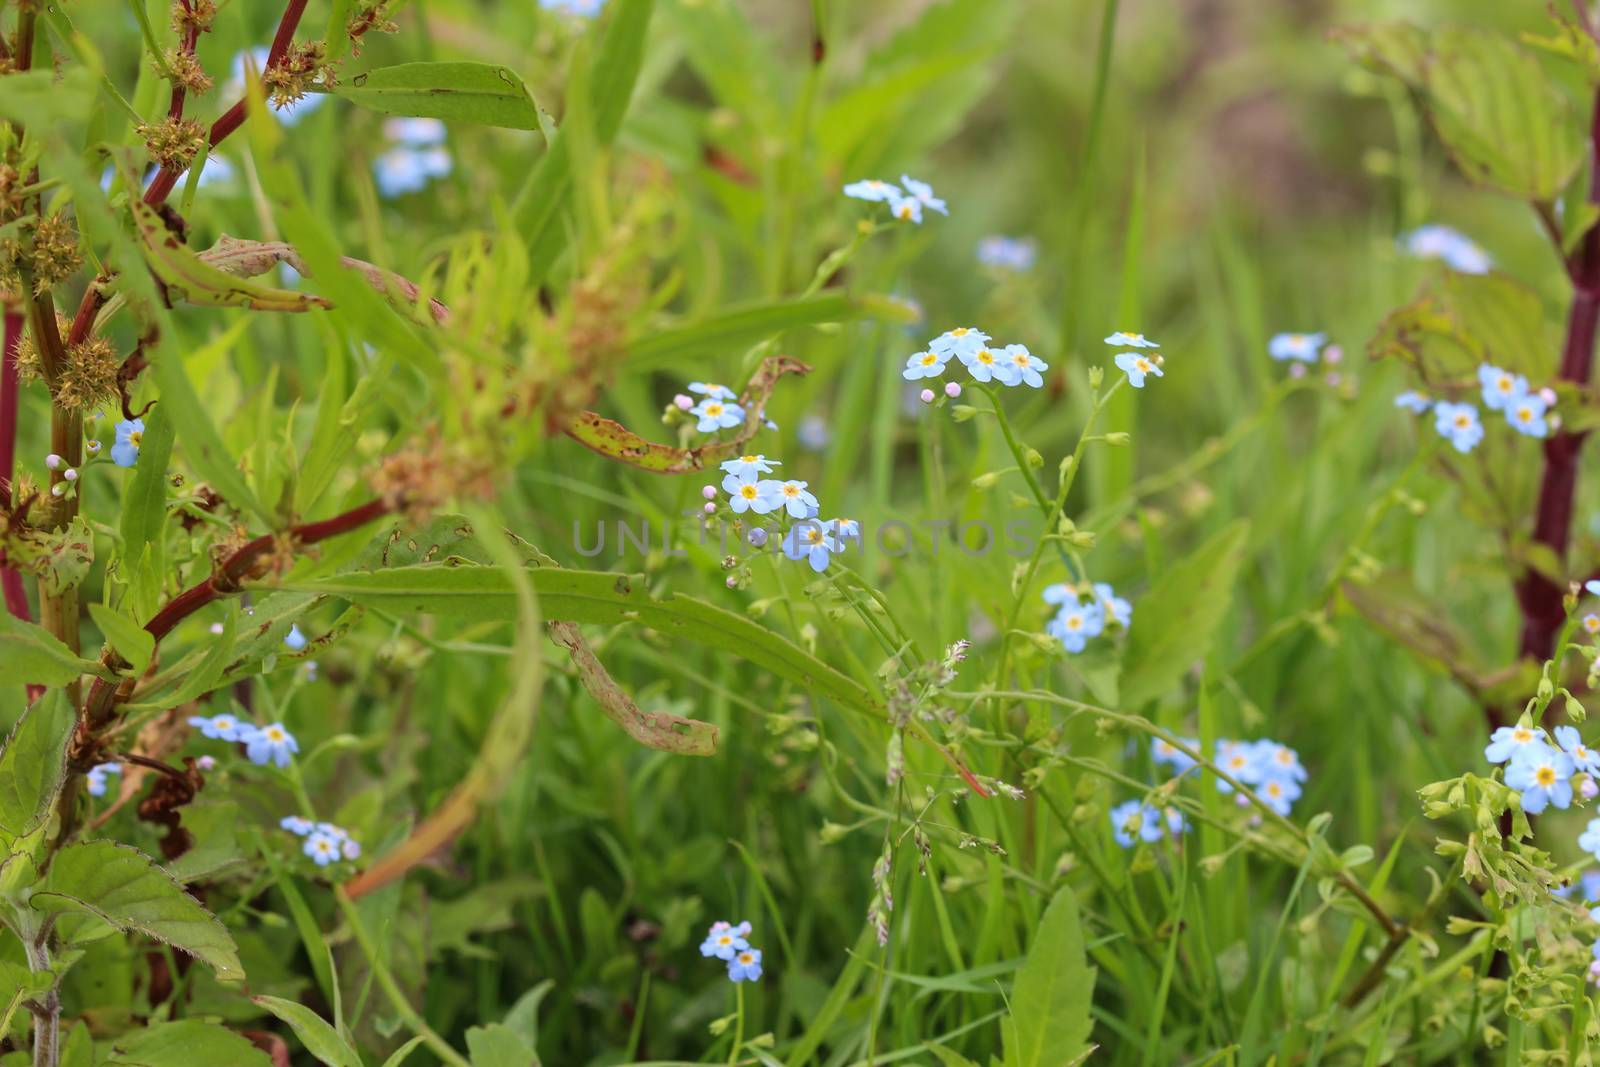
x=1540 y=597
x=226 y=580
x=16 y=597
x=166 y=178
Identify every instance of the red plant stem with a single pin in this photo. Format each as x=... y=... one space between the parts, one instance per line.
x=16 y=598
x=166 y=178
x=225 y=581
x=1539 y=596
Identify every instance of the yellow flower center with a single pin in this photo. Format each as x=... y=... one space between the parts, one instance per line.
x=713 y=409
x=1021 y=361
x=1074 y=622
x=960 y=331
x=1521 y=736
x=1273 y=789
x=222 y=722
x=746 y=958
x=1545 y=776
x=905 y=211
x=1142 y=365
x=1592 y=623
x=747 y=491
x=985 y=356
x=791 y=490
x=274 y=734
x=1525 y=414
x=725 y=940
x=134 y=437
x=748 y=459
x=1297 y=338
x=813 y=535
x=1504 y=384
x=929 y=359
x=1284 y=758
x=1462 y=422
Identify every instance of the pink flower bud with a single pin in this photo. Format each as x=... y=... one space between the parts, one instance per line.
x=683 y=403
x=1332 y=354
x=927 y=396
x=733 y=583
x=1587 y=789
x=206 y=763
x=53 y=461
x=1548 y=395
x=1297 y=370
x=952 y=389
x=70 y=474
x=710 y=508
x=709 y=492
x=1332 y=378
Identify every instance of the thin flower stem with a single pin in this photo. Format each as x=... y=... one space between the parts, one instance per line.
x=738 y=1023
x=1383 y=918
x=1016 y=449
x=391 y=989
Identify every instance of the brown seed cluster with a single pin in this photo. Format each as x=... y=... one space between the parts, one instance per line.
x=55 y=255
x=195 y=15
x=173 y=142
x=28 y=365
x=187 y=72
x=420 y=479
x=293 y=76
x=89 y=376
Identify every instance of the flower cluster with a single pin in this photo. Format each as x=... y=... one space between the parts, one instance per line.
x=727 y=941
x=262 y=744
x=1133 y=821
x=325 y=843
x=288 y=110
x=1076 y=621
x=1137 y=365
x=418 y=155
x=808 y=539
x=1441 y=242
x=1010 y=365
x=97 y=777
x=1540 y=771
x=1008 y=253
x=1525 y=410
x=904 y=204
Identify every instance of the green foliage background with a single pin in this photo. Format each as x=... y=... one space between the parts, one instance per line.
x=1210 y=173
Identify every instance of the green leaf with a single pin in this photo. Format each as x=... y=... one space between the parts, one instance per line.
x=1396 y=48
x=203 y=446
x=45 y=98
x=1459 y=321
x=745 y=323
x=545 y=194
x=184 y=275
x=480 y=593
x=1504 y=120
x=1179 y=616
x=133 y=642
x=403 y=1052
x=1049 y=1022
x=33 y=763
x=314 y=1032
x=144 y=514
x=29 y=653
x=189 y=1043
x=77 y=1048
x=484 y=93
x=125 y=888
x=497 y=1045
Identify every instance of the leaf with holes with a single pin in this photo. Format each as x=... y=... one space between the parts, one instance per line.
x=483 y=93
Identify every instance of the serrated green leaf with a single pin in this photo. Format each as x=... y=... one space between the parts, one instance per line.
x=591 y=597
x=188 y=1043
x=1396 y=48
x=497 y=1045
x=1049 y=1022
x=125 y=888
x=483 y=93
x=1179 y=616
x=33 y=763
x=1459 y=321
x=1504 y=120
x=315 y=1033
x=31 y=654
x=133 y=642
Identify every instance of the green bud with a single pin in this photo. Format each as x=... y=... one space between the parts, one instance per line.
x=1546 y=690
x=1035 y=460
x=1118 y=438
x=962 y=412
x=1081 y=539
x=1575 y=710
x=985 y=481
x=1096 y=376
